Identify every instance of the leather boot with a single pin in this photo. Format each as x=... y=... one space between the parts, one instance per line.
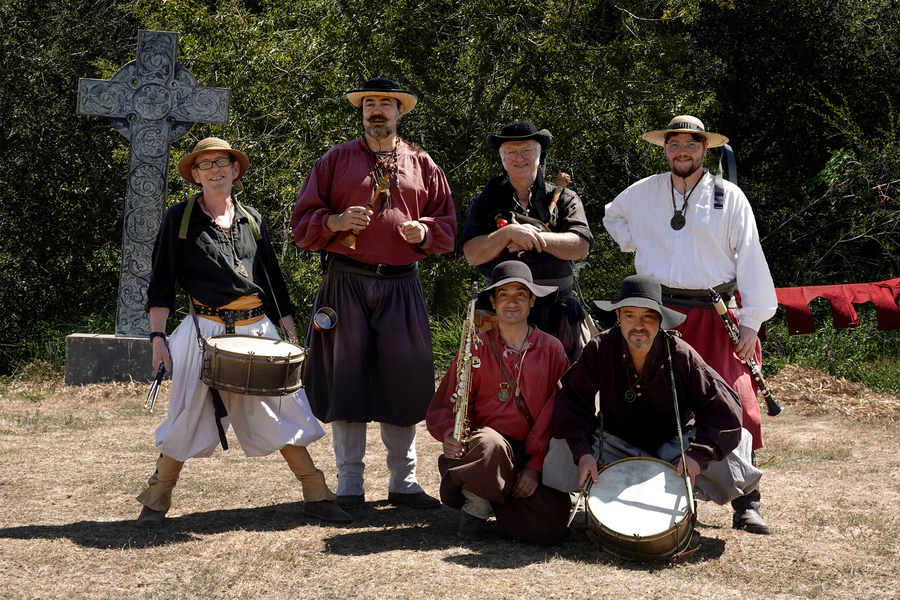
x=746 y=513
x=157 y=498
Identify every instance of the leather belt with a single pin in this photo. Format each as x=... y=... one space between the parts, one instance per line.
x=342 y=262
x=699 y=298
x=228 y=316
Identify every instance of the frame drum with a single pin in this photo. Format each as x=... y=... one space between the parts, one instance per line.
x=252 y=365
x=639 y=510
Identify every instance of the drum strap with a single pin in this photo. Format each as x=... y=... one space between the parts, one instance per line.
x=687 y=479
x=218 y=405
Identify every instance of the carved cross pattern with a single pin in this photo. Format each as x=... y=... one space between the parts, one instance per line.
x=152 y=101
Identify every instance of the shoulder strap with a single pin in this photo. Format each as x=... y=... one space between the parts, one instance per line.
x=254 y=226
x=186 y=217
x=728 y=154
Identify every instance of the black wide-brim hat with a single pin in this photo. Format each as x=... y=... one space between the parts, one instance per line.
x=379 y=86
x=513 y=271
x=641 y=291
x=519 y=131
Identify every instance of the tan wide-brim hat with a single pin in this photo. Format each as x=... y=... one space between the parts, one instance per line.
x=380 y=86
x=685 y=124
x=186 y=164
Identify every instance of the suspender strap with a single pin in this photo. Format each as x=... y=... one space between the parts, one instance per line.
x=728 y=154
x=186 y=218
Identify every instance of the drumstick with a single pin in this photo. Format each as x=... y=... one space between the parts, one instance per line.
x=154 y=389
x=584 y=491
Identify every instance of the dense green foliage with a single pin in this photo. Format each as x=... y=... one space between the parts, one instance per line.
x=805 y=89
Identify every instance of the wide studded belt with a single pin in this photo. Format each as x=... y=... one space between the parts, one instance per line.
x=229 y=316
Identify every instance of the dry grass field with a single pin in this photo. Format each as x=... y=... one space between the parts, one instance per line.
x=73 y=459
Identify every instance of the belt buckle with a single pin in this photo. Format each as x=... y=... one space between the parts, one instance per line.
x=378 y=270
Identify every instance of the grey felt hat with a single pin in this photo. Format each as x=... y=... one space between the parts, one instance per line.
x=641 y=291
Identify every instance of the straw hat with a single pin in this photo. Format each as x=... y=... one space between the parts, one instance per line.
x=685 y=124
x=186 y=164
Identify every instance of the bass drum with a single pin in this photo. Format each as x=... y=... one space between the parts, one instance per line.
x=252 y=365
x=639 y=509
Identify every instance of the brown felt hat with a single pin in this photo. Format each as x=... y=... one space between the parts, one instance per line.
x=685 y=124
x=379 y=86
x=186 y=164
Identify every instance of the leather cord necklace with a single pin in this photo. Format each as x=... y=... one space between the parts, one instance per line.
x=678 y=221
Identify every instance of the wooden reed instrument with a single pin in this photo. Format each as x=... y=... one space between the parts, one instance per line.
x=465 y=362
x=350 y=240
x=562 y=180
x=773 y=408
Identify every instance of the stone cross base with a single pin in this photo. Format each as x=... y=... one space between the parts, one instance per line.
x=92 y=358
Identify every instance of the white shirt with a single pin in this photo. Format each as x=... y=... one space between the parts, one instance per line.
x=714 y=247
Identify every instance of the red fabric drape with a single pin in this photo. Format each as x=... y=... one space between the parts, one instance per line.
x=883 y=294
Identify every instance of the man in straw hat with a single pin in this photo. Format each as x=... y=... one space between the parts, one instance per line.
x=547 y=239
x=510 y=410
x=691 y=236
x=376 y=363
x=627 y=368
x=208 y=245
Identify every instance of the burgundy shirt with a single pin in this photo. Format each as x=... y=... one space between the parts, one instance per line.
x=704 y=399
x=541 y=367
x=343 y=178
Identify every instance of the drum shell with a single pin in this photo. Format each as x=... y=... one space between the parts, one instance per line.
x=254 y=372
x=660 y=546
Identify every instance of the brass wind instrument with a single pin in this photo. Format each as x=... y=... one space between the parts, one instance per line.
x=465 y=362
x=773 y=408
x=350 y=240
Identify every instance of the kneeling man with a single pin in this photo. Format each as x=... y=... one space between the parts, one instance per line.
x=628 y=368
x=510 y=410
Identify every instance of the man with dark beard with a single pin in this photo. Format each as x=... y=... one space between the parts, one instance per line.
x=627 y=370
x=376 y=364
x=691 y=232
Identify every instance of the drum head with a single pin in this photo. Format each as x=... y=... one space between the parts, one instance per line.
x=639 y=497
x=245 y=344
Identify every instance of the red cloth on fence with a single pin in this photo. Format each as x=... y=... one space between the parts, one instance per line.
x=882 y=294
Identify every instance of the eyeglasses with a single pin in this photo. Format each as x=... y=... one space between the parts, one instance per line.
x=206 y=165
x=512 y=154
x=689 y=145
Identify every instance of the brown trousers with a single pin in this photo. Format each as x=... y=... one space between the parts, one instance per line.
x=489 y=470
x=158 y=495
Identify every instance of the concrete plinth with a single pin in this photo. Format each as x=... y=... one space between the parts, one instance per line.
x=92 y=358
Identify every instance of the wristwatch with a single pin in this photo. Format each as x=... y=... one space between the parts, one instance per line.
x=158 y=334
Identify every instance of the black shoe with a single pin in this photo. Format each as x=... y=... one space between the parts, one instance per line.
x=328 y=511
x=417 y=500
x=750 y=520
x=150 y=518
x=351 y=501
x=472 y=528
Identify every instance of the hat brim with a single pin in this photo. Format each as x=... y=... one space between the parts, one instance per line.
x=484 y=296
x=186 y=164
x=542 y=137
x=668 y=318
x=658 y=136
x=407 y=99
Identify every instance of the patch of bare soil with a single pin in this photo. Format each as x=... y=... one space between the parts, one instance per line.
x=72 y=461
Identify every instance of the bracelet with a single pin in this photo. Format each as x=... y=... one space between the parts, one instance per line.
x=158 y=334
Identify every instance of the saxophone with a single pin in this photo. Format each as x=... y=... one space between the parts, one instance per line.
x=465 y=362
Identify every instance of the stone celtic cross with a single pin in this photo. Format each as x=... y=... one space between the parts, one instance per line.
x=152 y=101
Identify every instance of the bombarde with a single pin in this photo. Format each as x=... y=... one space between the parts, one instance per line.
x=350 y=240
x=773 y=409
x=466 y=360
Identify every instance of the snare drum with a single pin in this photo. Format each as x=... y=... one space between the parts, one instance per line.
x=639 y=509
x=252 y=365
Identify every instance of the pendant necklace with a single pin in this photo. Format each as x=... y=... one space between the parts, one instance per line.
x=678 y=220
x=630 y=394
x=238 y=266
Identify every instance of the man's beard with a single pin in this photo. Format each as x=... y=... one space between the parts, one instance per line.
x=381 y=130
x=685 y=172
x=639 y=344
